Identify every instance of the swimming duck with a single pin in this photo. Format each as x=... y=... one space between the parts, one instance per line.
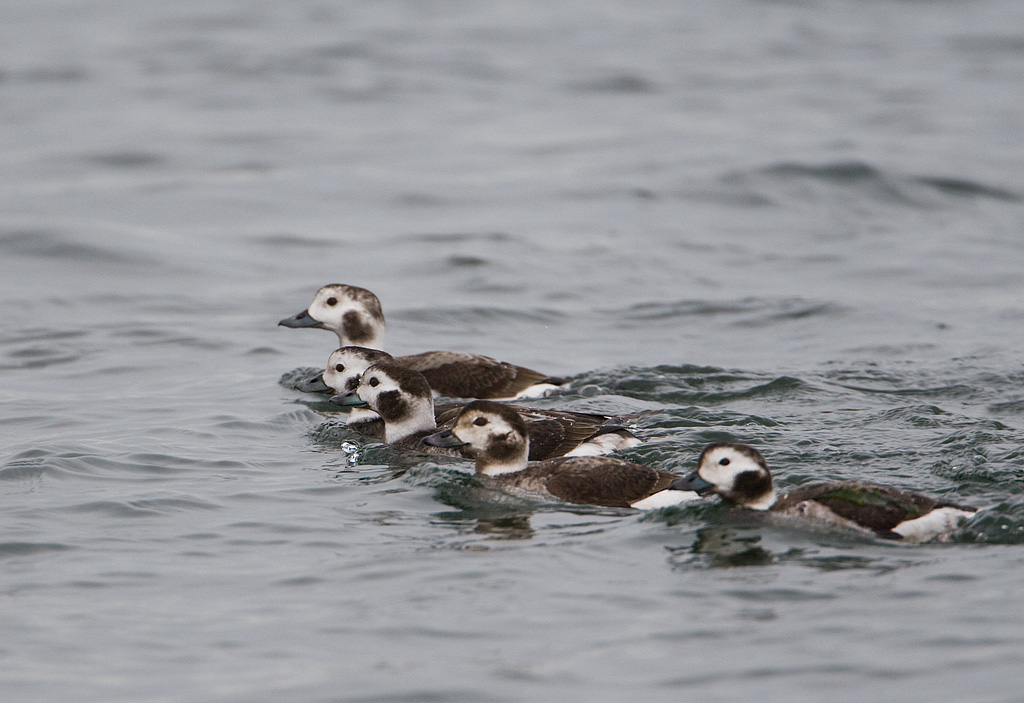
x=497 y=438
x=355 y=315
x=739 y=474
x=403 y=401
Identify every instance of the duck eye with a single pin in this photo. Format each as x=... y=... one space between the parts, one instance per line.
x=332 y=301
x=374 y=382
x=724 y=461
x=339 y=367
x=480 y=421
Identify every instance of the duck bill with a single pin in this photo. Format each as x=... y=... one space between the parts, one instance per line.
x=314 y=384
x=349 y=400
x=444 y=438
x=692 y=482
x=302 y=319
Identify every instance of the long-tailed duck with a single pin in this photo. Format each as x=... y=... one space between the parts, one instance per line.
x=355 y=315
x=402 y=400
x=739 y=474
x=497 y=438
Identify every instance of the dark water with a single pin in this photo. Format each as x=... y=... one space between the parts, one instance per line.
x=793 y=224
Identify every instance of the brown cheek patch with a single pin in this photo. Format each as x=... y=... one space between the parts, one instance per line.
x=355 y=329
x=503 y=448
x=391 y=406
x=752 y=484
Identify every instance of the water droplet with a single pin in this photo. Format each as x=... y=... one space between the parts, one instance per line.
x=351 y=450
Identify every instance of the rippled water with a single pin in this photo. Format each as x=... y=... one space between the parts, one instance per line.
x=796 y=225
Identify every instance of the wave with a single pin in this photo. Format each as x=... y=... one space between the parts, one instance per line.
x=775 y=183
x=9 y=550
x=749 y=312
x=444 y=316
x=64 y=247
x=496 y=237
x=618 y=83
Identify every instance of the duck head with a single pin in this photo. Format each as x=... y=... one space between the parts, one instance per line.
x=736 y=472
x=352 y=313
x=493 y=434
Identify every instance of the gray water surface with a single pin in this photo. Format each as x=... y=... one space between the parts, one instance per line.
x=794 y=224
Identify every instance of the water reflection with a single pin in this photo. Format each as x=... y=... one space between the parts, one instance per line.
x=510 y=527
x=722 y=546
x=727 y=546
x=503 y=526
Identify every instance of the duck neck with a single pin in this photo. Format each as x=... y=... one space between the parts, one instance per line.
x=419 y=417
x=753 y=489
x=361 y=331
x=503 y=456
x=360 y=415
x=764 y=502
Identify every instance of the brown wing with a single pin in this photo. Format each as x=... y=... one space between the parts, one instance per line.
x=554 y=433
x=472 y=375
x=603 y=481
x=550 y=438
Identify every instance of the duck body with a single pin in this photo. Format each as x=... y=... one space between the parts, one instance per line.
x=886 y=511
x=460 y=375
x=739 y=474
x=497 y=438
x=355 y=315
x=591 y=480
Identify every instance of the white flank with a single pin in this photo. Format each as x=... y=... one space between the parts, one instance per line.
x=937 y=522
x=537 y=390
x=665 y=499
x=604 y=444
